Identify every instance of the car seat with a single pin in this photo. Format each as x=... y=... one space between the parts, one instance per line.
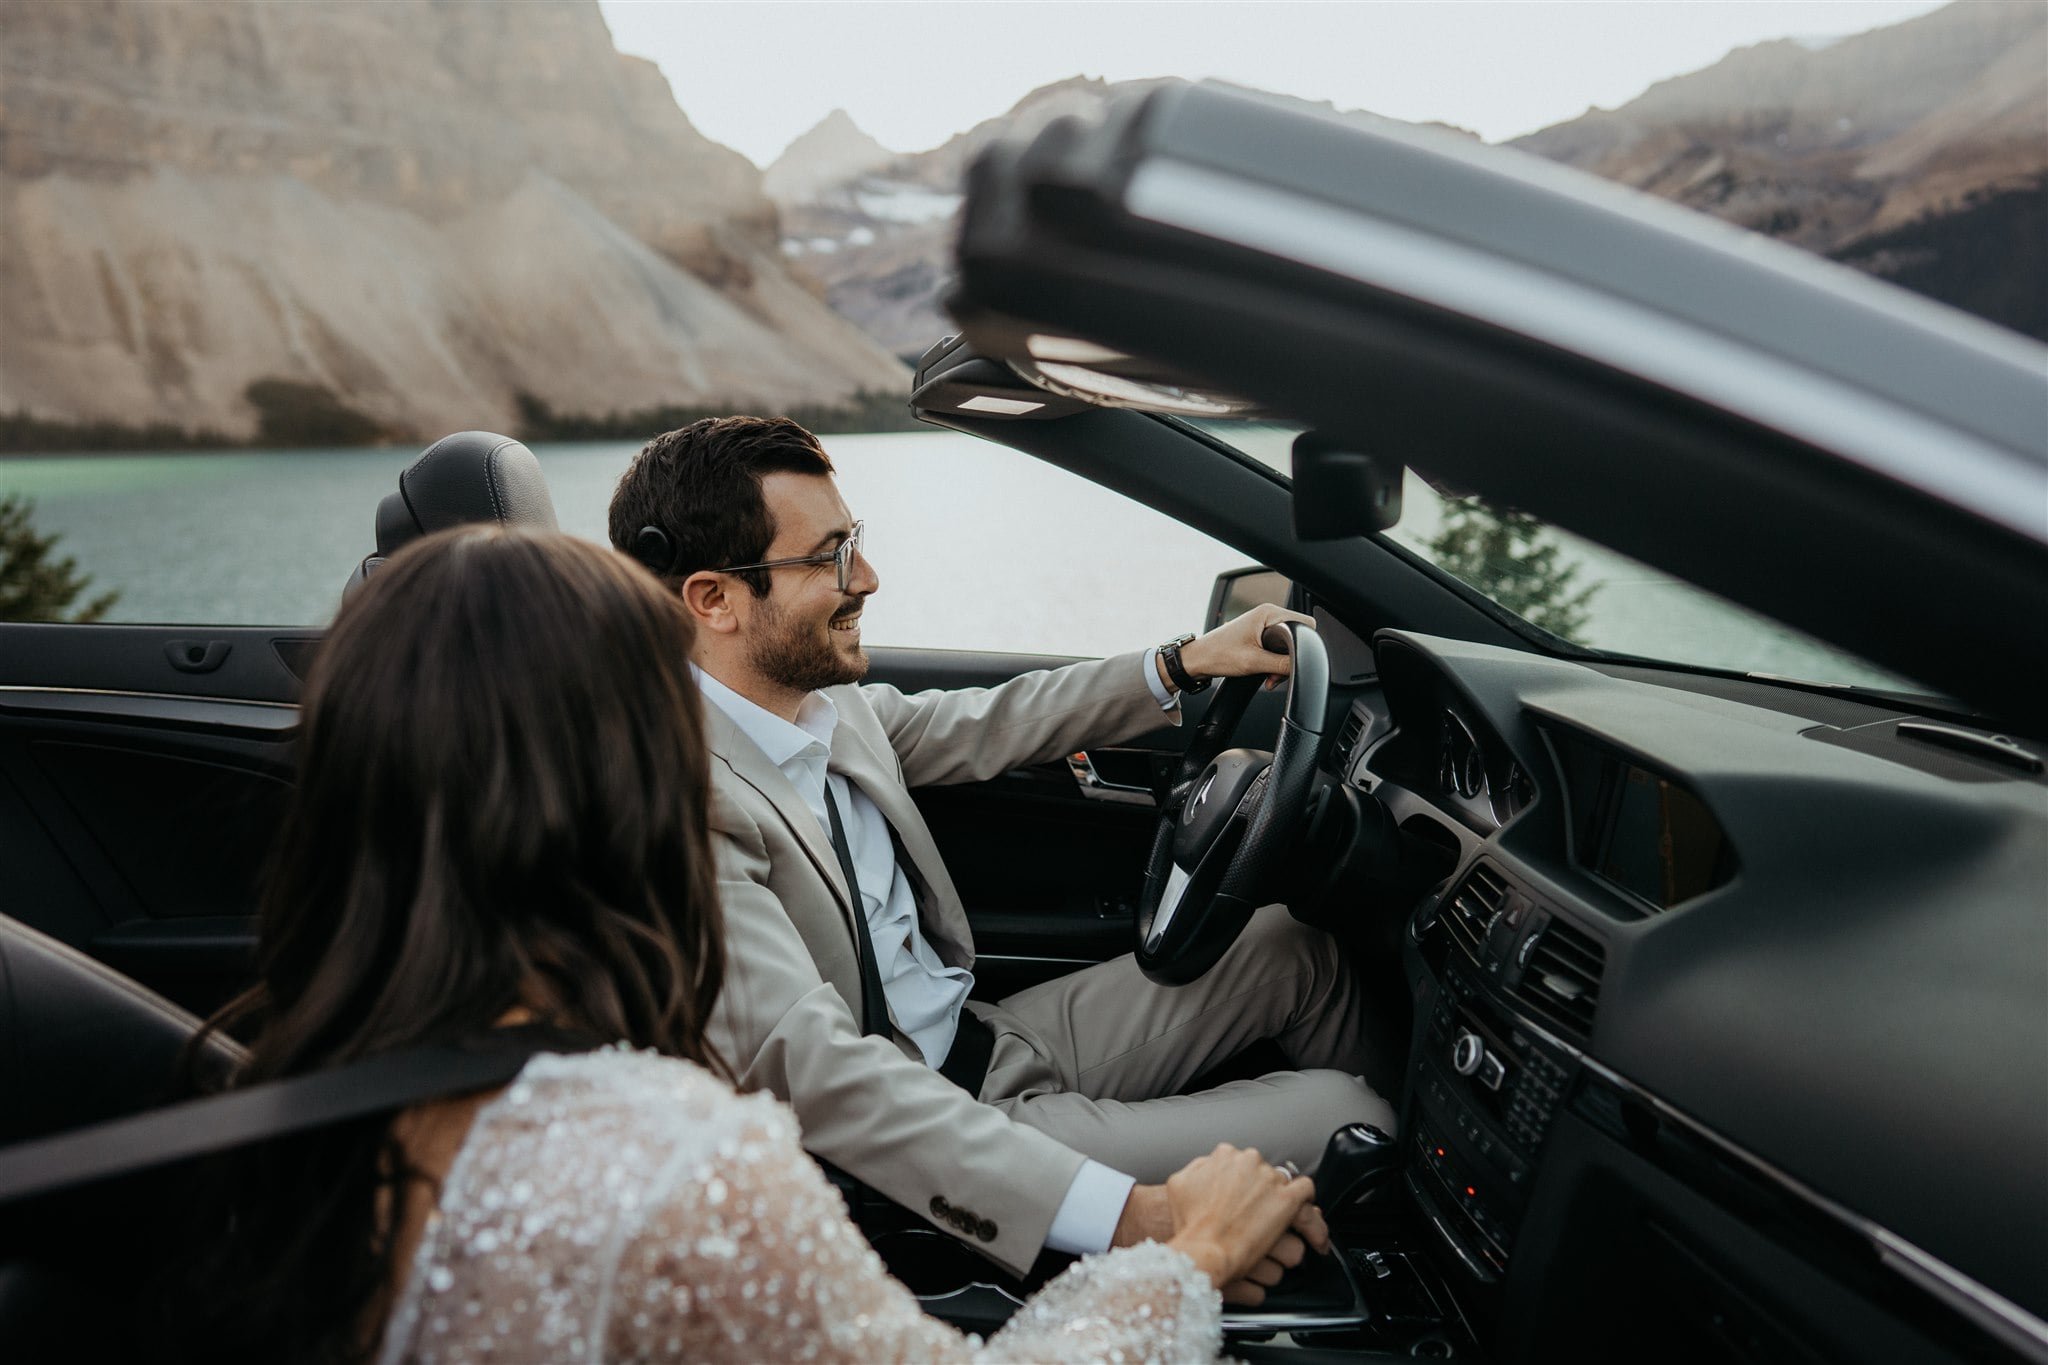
x=79 y=1043
x=469 y=476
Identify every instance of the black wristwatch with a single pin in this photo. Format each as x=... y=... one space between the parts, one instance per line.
x=1169 y=654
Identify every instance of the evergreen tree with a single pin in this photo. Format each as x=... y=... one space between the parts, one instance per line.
x=1512 y=558
x=34 y=586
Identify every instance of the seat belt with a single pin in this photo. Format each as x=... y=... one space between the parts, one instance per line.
x=874 y=1005
x=273 y=1109
x=973 y=1041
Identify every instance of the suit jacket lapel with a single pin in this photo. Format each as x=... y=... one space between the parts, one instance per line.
x=945 y=924
x=730 y=744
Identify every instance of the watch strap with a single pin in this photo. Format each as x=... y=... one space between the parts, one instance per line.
x=1169 y=654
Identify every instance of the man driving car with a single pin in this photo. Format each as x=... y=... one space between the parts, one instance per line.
x=1049 y=1118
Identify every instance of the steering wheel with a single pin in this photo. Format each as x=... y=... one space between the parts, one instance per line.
x=1229 y=816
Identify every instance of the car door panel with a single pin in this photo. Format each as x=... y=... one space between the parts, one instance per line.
x=142 y=772
x=139 y=797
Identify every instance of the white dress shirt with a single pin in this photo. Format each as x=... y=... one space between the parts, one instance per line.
x=925 y=995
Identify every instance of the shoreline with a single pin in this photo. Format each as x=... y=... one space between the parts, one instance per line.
x=24 y=436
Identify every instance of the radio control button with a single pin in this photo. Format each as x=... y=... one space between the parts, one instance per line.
x=1467 y=1053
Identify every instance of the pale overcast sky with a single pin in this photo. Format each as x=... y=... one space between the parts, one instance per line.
x=755 y=75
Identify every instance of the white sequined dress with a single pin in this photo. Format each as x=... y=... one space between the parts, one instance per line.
x=621 y=1206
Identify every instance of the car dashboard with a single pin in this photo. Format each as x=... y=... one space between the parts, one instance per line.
x=1708 y=1015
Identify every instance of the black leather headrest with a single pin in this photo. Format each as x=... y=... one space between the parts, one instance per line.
x=468 y=477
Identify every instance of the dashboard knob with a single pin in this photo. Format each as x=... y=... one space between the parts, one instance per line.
x=1467 y=1053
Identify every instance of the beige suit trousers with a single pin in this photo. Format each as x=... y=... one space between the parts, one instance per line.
x=1094 y=1059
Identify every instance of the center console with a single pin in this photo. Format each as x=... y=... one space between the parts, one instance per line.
x=1425 y=1224
x=1510 y=989
x=1487 y=1086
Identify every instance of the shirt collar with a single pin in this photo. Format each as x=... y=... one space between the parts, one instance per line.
x=781 y=741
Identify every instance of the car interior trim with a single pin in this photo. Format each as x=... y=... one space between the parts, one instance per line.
x=1476 y=1268
x=2001 y=486
x=1997 y=1315
x=1985 y=1309
x=263 y=717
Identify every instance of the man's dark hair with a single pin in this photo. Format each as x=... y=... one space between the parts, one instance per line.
x=700 y=486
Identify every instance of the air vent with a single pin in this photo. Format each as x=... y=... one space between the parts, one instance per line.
x=1561 y=983
x=1347 y=737
x=1472 y=908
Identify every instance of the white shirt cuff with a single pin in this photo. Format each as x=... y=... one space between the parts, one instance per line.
x=1167 y=700
x=1087 y=1218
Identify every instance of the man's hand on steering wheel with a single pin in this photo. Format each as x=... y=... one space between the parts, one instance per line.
x=1232 y=650
x=1228 y=821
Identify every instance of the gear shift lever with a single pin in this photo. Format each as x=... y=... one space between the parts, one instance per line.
x=1357 y=1161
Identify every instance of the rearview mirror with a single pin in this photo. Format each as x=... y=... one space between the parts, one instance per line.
x=1340 y=491
x=1237 y=591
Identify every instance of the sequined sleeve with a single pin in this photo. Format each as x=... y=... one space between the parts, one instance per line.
x=623 y=1206
x=750 y=1255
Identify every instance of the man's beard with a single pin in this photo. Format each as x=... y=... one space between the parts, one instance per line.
x=800 y=655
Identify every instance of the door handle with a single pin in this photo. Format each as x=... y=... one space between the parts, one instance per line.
x=197 y=656
x=1095 y=788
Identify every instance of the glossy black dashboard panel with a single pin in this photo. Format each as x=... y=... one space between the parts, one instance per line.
x=1798 y=947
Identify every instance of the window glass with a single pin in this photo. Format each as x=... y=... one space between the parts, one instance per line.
x=1581 y=593
x=982 y=547
x=1585 y=594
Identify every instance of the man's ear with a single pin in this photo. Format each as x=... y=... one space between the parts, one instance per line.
x=707 y=597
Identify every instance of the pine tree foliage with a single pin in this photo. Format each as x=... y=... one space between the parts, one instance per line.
x=35 y=585
x=1513 y=559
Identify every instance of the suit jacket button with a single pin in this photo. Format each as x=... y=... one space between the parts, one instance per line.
x=940 y=1208
x=985 y=1230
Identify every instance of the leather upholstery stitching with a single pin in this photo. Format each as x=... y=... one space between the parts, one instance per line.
x=491 y=481
x=405 y=478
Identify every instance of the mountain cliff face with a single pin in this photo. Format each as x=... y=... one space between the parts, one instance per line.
x=1917 y=153
x=427 y=207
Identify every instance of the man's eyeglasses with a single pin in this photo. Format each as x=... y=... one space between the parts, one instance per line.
x=840 y=558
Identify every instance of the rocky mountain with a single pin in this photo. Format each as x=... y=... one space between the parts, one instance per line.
x=878 y=241
x=1916 y=152
x=426 y=208
x=834 y=150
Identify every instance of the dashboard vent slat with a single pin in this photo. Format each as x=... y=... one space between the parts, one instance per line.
x=1561 y=985
x=1347 y=737
x=1469 y=912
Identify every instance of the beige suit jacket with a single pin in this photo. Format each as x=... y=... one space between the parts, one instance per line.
x=789 y=1017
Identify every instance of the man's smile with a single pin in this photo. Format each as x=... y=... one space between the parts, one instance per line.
x=850 y=622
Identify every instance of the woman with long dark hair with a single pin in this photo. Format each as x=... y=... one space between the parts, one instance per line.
x=500 y=823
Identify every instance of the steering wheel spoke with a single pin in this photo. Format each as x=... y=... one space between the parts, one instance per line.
x=1219 y=843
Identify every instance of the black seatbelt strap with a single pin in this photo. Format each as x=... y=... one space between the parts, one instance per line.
x=874 y=1005
x=273 y=1109
x=974 y=1042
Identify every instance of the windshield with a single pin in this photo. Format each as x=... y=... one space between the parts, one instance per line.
x=1584 y=594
